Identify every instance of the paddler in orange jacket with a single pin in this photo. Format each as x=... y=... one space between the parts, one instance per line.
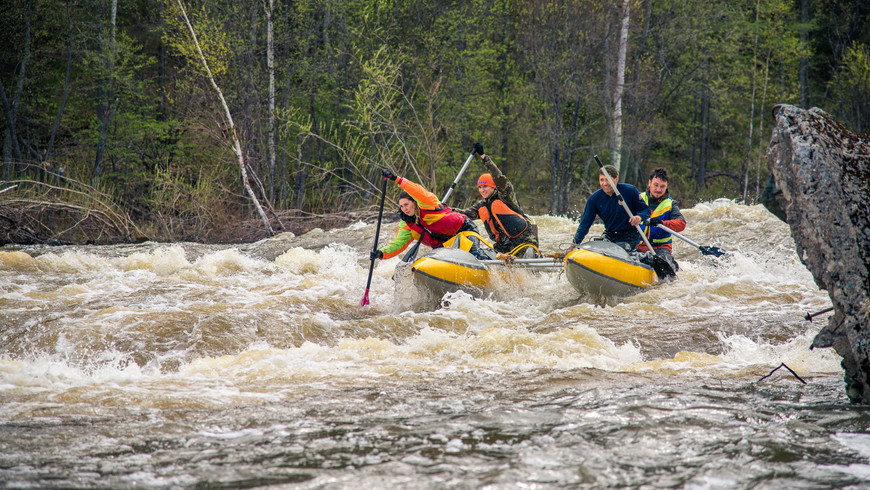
x=423 y=217
x=506 y=224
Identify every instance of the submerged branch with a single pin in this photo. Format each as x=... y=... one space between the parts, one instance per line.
x=789 y=370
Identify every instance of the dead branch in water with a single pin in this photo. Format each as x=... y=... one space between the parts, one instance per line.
x=789 y=370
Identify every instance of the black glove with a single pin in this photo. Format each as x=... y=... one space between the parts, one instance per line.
x=655 y=221
x=478 y=149
x=389 y=175
x=376 y=254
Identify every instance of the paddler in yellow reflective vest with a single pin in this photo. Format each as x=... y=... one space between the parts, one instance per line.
x=422 y=217
x=511 y=231
x=664 y=211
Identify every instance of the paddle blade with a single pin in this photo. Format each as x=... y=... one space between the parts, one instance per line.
x=662 y=268
x=712 y=251
x=365 y=300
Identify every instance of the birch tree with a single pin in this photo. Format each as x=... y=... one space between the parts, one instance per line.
x=270 y=63
x=619 y=89
x=237 y=147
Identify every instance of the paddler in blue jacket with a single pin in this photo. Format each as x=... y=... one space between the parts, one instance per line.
x=604 y=203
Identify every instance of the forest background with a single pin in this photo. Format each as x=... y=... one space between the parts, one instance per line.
x=118 y=124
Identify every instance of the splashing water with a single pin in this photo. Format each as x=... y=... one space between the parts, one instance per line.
x=185 y=365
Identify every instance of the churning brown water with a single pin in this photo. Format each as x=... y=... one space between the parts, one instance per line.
x=188 y=365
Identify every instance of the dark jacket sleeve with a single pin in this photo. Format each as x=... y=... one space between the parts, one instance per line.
x=586 y=221
x=472 y=212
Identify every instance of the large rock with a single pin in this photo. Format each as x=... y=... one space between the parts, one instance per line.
x=772 y=199
x=823 y=171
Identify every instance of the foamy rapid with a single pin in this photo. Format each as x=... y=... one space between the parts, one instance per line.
x=193 y=325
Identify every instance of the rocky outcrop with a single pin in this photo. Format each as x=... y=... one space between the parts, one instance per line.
x=772 y=199
x=823 y=172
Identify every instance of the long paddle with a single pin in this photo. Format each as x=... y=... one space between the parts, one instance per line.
x=660 y=265
x=365 y=299
x=412 y=253
x=718 y=252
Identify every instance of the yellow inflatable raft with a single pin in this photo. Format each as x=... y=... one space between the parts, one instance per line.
x=602 y=268
x=454 y=268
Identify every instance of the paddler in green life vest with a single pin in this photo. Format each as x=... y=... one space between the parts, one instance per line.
x=664 y=212
x=423 y=218
x=511 y=231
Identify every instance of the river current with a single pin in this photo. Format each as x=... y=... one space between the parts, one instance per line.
x=202 y=366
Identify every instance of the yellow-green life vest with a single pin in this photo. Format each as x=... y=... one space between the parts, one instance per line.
x=656 y=235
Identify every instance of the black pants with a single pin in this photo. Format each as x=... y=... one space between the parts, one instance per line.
x=468 y=226
x=666 y=254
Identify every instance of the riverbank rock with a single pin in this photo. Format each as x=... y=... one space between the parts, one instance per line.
x=772 y=199
x=823 y=172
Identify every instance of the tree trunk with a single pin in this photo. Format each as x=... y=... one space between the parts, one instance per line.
x=616 y=128
x=270 y=61
x=751 y=106
x=288 y=171
x=11 y=150
x=301 y=174
x=503 y=86
x=106 y=94
x=47 y=156
x=568 y=157
x=237 y=147
x=101 y=144
x=696 y=118
x=803 y=75
x=10 y=107
x=761 y=128
x=705 y=130
x=555 y=182
x=161 y=70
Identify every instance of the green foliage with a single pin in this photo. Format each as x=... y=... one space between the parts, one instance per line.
x=851 y=84
x=213 y=39
x=854 y=74
x=410 y=85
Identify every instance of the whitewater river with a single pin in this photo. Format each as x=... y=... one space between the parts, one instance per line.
x=188 y=365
